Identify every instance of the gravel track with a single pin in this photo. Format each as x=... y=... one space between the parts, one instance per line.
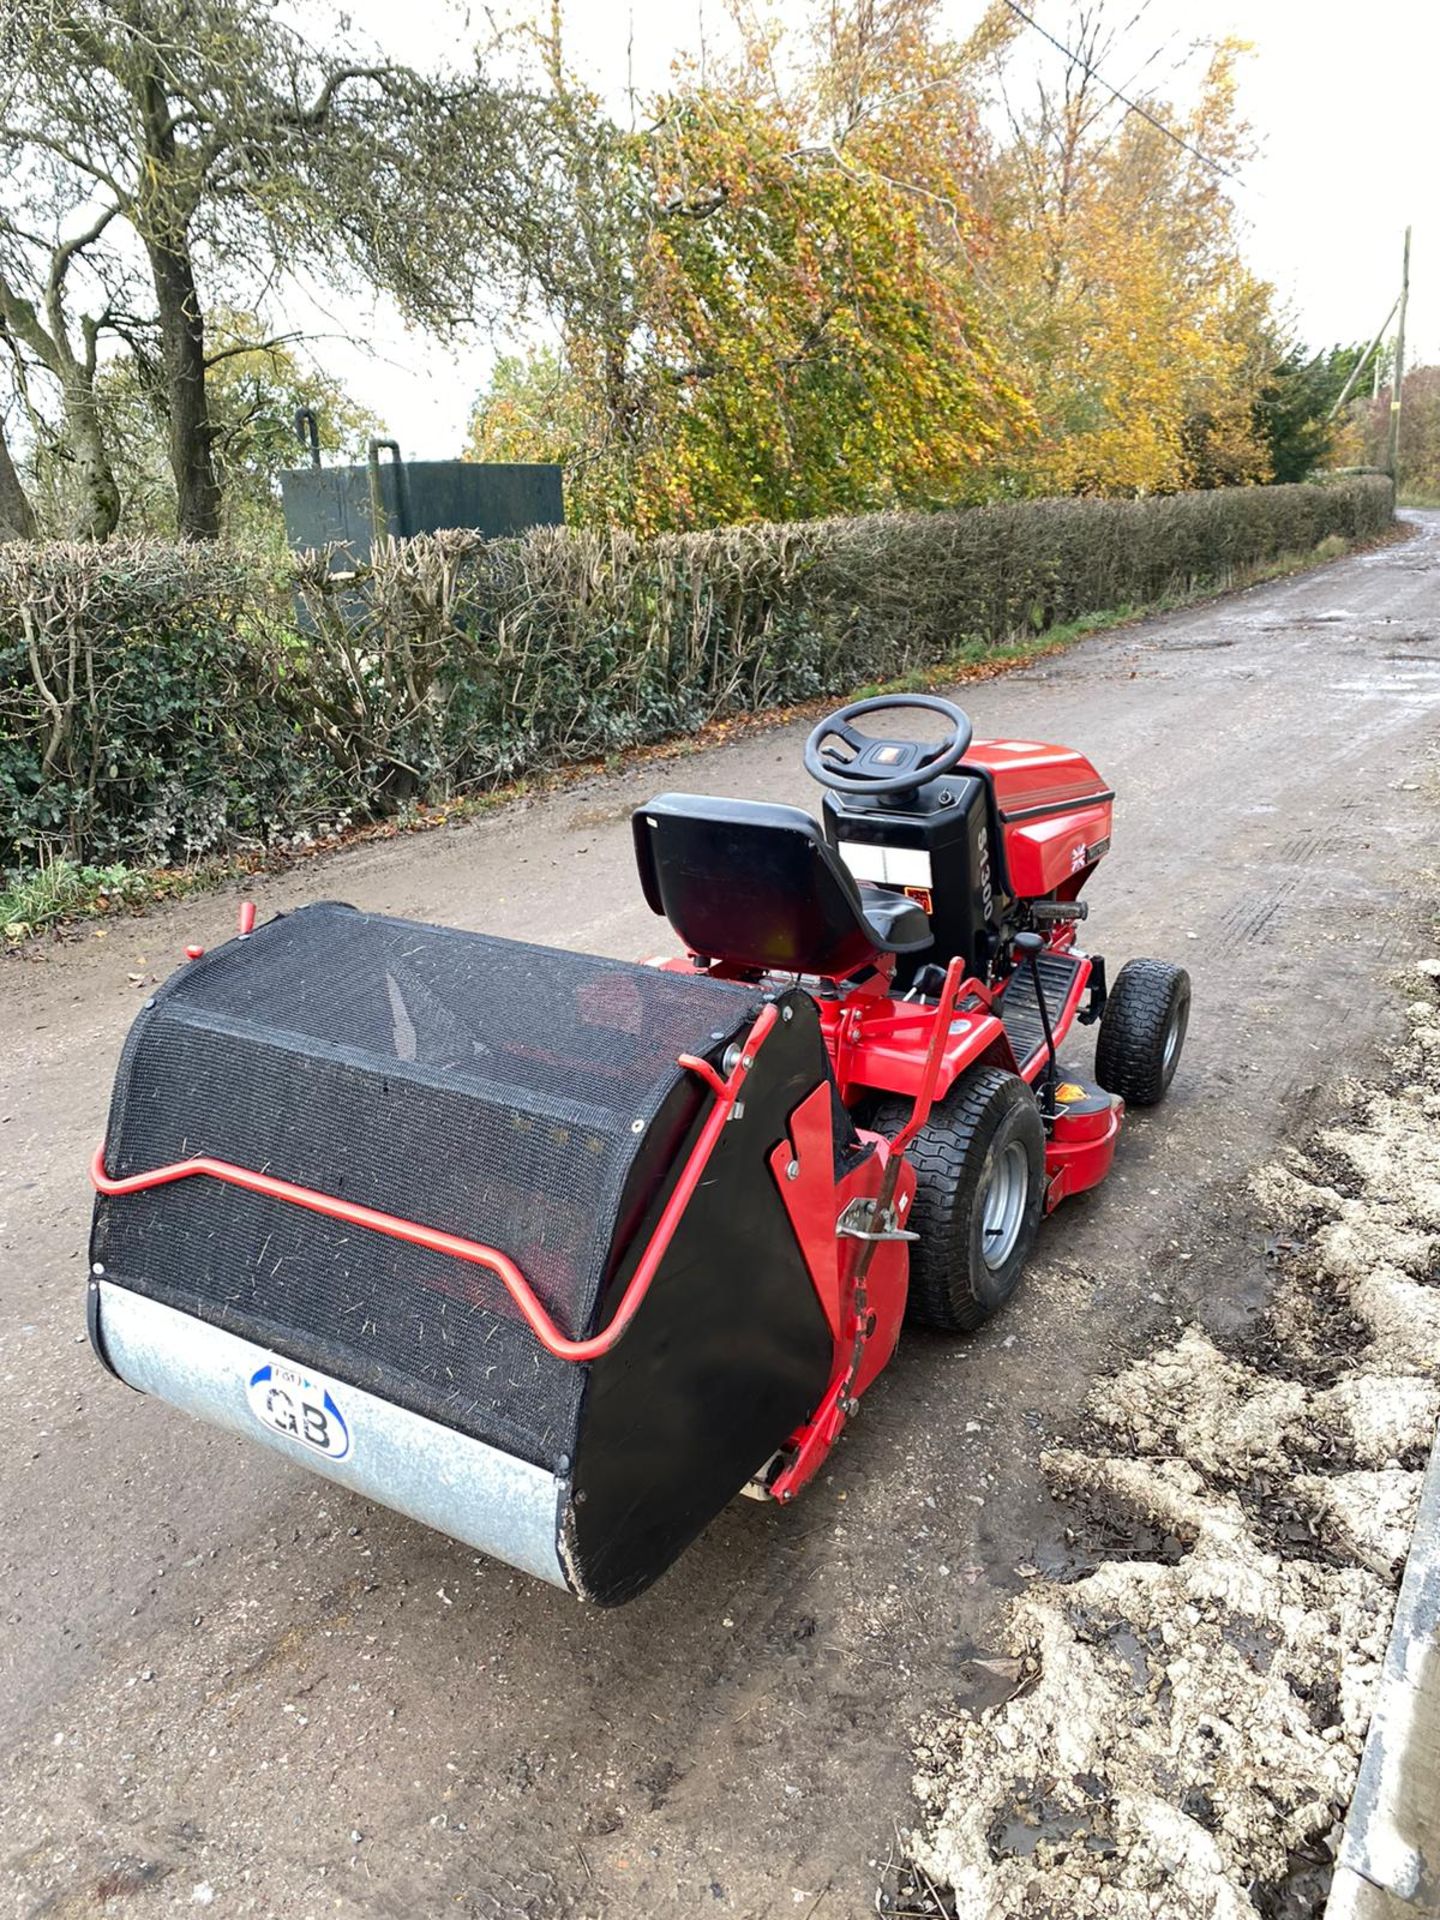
x=224 y=1683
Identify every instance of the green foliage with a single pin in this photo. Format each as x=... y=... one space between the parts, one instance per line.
x=254 y=386
x=143 y=709
x=62 y=890
x=157 y=704
x=468 y=661
x=1293 y=406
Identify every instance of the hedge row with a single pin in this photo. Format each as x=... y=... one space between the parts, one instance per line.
x=160 y=702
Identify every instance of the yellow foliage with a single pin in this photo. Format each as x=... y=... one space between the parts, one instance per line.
x=1145 y=336
x=837 y=292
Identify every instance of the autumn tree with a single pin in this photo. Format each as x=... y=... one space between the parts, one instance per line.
x=1419 y=476
x=760 y=318
x=892 y=94
x=857 y=268
x=231 y=150
x=1145 y=337
x=1366 y=435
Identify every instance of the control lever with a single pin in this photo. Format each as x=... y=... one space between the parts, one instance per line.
x=1031 y=946
x=929 y=982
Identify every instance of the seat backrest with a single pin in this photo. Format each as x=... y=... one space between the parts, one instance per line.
x=751 y=884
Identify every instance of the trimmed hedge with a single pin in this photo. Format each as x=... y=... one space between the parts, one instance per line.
x=160 y=702
x=138 y=709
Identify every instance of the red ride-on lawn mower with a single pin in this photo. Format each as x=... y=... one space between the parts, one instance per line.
x=557 y=1253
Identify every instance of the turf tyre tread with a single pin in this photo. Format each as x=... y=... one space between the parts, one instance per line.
x=1139 y=1009
x=948 y=1155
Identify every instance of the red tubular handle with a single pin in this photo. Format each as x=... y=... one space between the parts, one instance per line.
x=472 y=1251
x=930 y=1073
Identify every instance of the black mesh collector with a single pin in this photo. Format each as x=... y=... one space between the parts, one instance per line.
x=516 y=1095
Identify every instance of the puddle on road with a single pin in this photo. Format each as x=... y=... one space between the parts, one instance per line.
x=1097 y=1526
x=1418 y=689
x=1039 y=1816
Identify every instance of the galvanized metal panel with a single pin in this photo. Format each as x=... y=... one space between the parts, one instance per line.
x=488 y=1499
x=325 y=506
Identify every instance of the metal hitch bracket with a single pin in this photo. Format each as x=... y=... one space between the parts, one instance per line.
x=856 y=1223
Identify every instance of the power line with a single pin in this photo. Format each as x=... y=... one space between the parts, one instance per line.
x=1226 y=173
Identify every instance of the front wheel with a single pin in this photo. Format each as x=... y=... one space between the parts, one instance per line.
x=980 y=1188
x=1142 y=1031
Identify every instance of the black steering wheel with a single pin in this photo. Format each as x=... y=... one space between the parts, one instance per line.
x=885 y=766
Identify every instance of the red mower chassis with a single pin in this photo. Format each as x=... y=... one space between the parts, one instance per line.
x=909 y=970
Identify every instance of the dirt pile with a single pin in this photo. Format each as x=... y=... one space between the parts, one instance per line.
x=1185 y=1730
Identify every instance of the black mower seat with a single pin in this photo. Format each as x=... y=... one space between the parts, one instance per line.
x=757 y=885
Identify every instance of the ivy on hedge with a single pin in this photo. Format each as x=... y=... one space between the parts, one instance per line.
x=159 y=702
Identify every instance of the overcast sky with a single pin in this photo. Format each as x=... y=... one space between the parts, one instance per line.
x=1343 y=101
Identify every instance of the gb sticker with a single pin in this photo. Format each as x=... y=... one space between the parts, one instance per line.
x=290 y=1402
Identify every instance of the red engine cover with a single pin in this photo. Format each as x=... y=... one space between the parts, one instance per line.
x=1055 y=812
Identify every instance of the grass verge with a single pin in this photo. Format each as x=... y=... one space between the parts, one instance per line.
x=61 y=892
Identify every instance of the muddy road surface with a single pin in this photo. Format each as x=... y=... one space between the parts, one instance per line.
x=226 y=1684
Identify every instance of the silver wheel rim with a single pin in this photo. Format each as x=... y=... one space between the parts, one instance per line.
x=1002 y=1204
x=1174 y=1034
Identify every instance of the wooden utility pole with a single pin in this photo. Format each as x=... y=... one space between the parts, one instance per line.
x=1392 y=463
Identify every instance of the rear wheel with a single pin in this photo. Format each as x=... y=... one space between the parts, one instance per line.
x=980 y=1186
x=1142 y=1031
